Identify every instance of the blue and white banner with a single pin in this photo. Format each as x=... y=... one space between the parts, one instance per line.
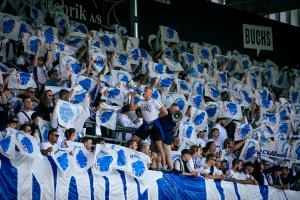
x=83 y=159
x=166 y=81
x=234 y=85
x=37 y=15
x=123 y=162
x=188 y=58
x=31 y=43
x=245 y=63
x=242 y=131
x=121 y=60
x=196 y=101
x=21 y=80
x=120 y=30
x=204 y=54
x=107 y=118
x=249 y=150
x=197 y=87
x=27 y=145
x=187 y=132
x=179 y=99
x=139 y=164
x=120 y=76
x=253 y=82
x=134 y=56
x=199 y=119
x=8 y=142
x=104 y=160
x=222 y=80
x=9 y=26
x=62 y=159
x=86 y=83
x=168 y=34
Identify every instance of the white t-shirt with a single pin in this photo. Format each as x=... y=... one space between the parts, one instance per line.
x=125 y=121
x=223 y=134
x=46 y=145
x=150 y=109
x=235 y=175
x=23 y=118
x=205 y=169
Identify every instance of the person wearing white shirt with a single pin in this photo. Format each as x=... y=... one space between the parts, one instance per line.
x=209 y=169
x=151 y=110
x=222 y=131
x=235 y=174
x=25 y=115
x=50 y=146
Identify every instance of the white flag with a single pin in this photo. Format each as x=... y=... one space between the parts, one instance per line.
x=104 y=160
x=139 y=163
x=107 y=118
x=27 y=145
x=249 y=150
x=21 y=80
x=242 y=131
x=62 y=159
x=9 y=26
x=8 y=142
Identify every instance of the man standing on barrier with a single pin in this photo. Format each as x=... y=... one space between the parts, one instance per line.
x=151 y=110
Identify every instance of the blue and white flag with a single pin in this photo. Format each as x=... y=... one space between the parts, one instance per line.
x=296 y=108
x=4 y=69
x=294 y=95
x=37 y=15
x=120 y=76
x=173 y=65
x=120 y=30
x=69 y=64
x=114 y=95
x=112 y=42
x=104 y=160
x=283 y=149
x=79 y=97
x=49 y=34
x=21 y=80
x=231 y=111
x=82 y=157
x=245 y=63
x=234 y=85
x=222 y=80
x=139 y=164
x=200 y=70
x=134 y=56
x=212 y=92
x=86 y=83
x=156 y=69
x=107 y=118
x=8 y=142
x=62 y=159
x=284 y=127
x=61 y=22
x=263 y=98
x=183 y=86
x=76 y=26
x=199 y=119
x=156 y=95
x=215 y=50
x=166 y=81
x=179 y=99
x=253 y=82
x=242 y=131
x=99 y=60
x=188 y=58
x=31 y=44
x=9 y=26
x=295 y=152
x=247 y=95
x=168 y=34
x=69 y=114
x=61 y=48
x=44 y=127
x=108 y=79
x=76 y=40
x=27 y=145
x=121 y=60
x=187 y=132
x=197 y=87
x=196 y=101
x=123 y=161
x=249 y=150
x=25 y=28
x=212 y=109
x=182 y=46
x=205 y=54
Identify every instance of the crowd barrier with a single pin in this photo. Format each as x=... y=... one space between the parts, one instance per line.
x=27 y=178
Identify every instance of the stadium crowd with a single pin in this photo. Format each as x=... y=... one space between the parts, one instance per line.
x=260 y=91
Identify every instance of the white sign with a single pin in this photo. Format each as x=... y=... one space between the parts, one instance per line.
x=258 y=37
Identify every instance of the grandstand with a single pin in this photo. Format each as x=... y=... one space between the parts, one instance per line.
x=111 y=100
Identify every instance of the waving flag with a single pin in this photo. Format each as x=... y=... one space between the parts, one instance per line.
x=183 y=86
x=120 y=76
x=242 y=131
x=62 y=159
x=200 y=70
x=168 y=34
x=173 y=65
x=200 y=119
x=253 y=82
x=27 y=145
x=204 y=53
x=9 y=26
x=180 y=100
x=70 y=115
x=188 y=58
x=166 y=81
x=25 y=28
x=197 y=87
x=107 y=118
x=283 y=149
x=62 y=22
x=79 y=97
x=196 y=100
x=284 y=127
x=61 y=48
x=235 y=85
x=69 y=63
x=215 y=50
x=212 y=110
x=83 y=158
x=76 y=26
x=44 y=127
x=114 y=95
x=49 y=34
x=182 y=46
x=135 y=56
x=156 y=69
x=76 y=40
x=222 y=80
x=8 y=142
x=246 y=63
x=112 y=42
x=264 y=99
x=295 y=152
x=31 y=44
x=108 y=79
x=132 y=43
x=21 y=80
x=121 y=60
x=231 y=111
x=99 y=60
x=86 y=83
x=120 y=30
x=249 y=150
x=212 y=92
x=156 y=95
x=187 y=131
x=123 y=161
x=104 y=160
x=37 y=15
x=139 y=163
x=247 y=95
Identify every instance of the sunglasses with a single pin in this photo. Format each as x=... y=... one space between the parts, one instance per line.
x=31 y=91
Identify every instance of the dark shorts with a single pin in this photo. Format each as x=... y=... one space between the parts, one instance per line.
x=155 y=132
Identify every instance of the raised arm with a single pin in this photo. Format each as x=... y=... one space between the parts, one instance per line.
x=133 y=106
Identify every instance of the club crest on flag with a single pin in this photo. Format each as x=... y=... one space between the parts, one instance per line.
x=249 y=150
x=104 y=160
